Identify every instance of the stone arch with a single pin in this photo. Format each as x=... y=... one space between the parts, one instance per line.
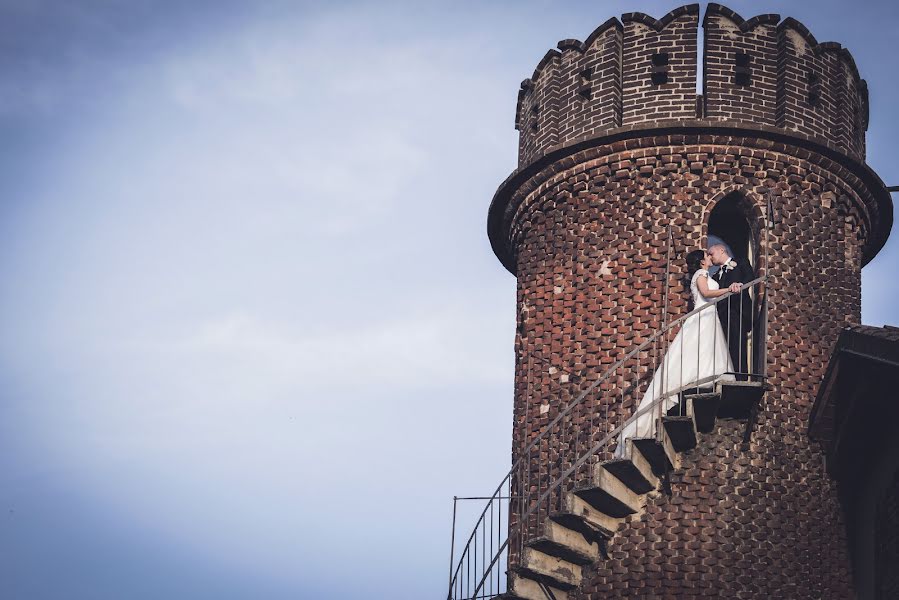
x=738 y=212
x=736 y=215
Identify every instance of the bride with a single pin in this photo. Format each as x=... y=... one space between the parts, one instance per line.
x=698 y=356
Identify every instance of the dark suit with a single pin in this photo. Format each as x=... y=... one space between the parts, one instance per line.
x=735 y=313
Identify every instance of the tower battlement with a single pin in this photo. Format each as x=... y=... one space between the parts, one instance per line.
x=641 y=70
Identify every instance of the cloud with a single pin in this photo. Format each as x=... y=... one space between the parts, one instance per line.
x=430 y=347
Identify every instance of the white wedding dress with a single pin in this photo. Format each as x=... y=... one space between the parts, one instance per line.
x=698 y=356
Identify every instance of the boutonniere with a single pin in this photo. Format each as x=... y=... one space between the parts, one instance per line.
x=731 y=264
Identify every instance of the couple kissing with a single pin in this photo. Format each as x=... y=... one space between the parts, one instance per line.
x=711 y=345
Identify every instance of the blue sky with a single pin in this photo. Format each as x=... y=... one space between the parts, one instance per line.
x=254 y=338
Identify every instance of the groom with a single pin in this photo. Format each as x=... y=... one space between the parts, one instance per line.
x=735 y=313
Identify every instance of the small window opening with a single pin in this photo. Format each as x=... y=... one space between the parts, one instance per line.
x=742 y=70
x=585 y=86
x=535 y=117
x=659 y=68
x=814 y=89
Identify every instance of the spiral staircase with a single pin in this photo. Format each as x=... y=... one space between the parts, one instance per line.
x=577 y=536
x=549 y=520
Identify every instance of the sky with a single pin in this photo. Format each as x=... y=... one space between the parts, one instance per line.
x=254 y=338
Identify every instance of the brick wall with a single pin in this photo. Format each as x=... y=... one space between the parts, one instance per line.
x=538 y=114
x=591 y=83
x=726 y=35
x=812 y=86
x=589 y=233
x=674 y=36
x=585 y=89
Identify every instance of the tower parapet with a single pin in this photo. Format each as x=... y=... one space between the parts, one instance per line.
x=820 y=92
x=740 y=76
x=659 y=62
x=640 y=70
x=572 y=93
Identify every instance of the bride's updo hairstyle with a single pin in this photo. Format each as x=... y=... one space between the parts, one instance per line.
x=694 y=263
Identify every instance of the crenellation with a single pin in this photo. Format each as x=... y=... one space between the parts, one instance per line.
x=819 y=90
x=590 y=92
x=853 y=117
x=798 y=64
x=537 y=115
x=729 y=40
x=580 y=85
x=570 y=44
x=640 y=69
x=525 y=92
x=659 y=64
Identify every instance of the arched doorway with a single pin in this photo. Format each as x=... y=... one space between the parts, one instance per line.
x=732 y=221
x=736 y=222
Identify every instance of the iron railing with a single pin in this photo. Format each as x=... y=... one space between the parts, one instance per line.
x=587 y=431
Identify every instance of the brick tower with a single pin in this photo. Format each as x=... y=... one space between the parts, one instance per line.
x=618 y=153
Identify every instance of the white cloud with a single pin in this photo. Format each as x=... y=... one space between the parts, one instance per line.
x=428 y=348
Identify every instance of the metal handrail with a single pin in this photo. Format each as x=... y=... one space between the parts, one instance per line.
x=506 y=482
x=636 y=350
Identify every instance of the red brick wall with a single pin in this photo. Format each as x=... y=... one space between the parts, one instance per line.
x=744 y=524
x=800 y=56
x=538 y=112
x=614 y=63
x=583 y=224
x=726 y=34
x=674 y=34
x=591 y=84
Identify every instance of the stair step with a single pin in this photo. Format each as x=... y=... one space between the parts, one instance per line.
x=608 y=494
x=680 y=409
x=659 y=453
x=578 y=515
x=681 y=431
x=640 y=461
x=630 y=474
x=568 y=544
x=704 y=410
x=523 y=588
x=550 y=570
x=738 y=398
